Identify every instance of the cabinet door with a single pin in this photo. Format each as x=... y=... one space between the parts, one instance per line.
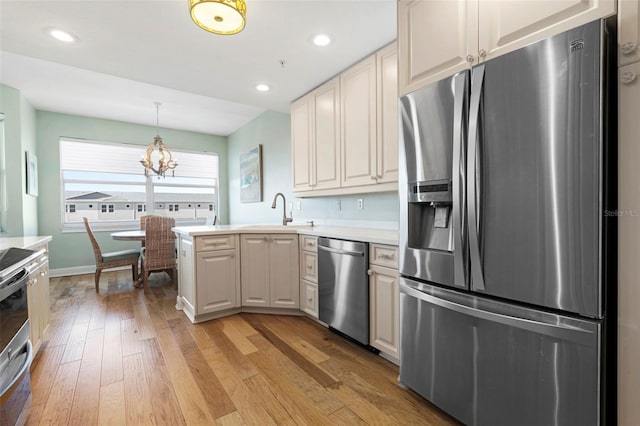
x=309 y=265
x=301 y=144
x=217 y=281
x=284 y=272
x=434 y=39
x=628 y=31
x=187 y=288
x=505 y=26
x=387 y=147
x=628 y=245
x=384 y=310
x=358 y=113
x=255 y=270
x=38 y=302
x=326 y=132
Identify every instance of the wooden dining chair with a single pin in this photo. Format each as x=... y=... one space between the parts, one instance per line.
x=113 y=259
x=159 y=252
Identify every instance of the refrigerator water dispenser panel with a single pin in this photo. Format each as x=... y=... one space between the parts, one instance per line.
x=429 y=210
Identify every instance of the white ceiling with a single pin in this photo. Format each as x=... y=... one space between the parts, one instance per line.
x=133 y=53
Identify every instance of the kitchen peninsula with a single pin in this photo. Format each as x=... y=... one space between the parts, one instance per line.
x=229 y=269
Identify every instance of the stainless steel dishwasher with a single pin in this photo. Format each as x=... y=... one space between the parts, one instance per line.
x=343 y=287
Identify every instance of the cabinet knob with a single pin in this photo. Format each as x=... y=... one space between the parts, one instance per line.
x=627 y=48
x=309 y=267
x=470 y=58
x=369 y=272
x=482 y=53
x=628 y=77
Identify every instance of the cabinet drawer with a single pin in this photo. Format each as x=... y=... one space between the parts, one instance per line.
x=215 y=242
x=309 y=243
x=309 y=300
x=384 y=256
x=309 y=266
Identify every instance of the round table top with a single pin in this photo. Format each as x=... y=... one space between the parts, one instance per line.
x=134 y=235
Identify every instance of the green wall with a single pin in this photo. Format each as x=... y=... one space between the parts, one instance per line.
x=20 y=137
x=72 y=249
x=273 y=131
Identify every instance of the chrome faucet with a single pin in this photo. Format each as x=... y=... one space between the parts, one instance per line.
x=285 y=219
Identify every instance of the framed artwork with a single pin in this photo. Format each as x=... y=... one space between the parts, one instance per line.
x=251 y=175
x=32 y=173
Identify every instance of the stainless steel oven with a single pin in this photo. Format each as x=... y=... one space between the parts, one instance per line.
x=15 y=348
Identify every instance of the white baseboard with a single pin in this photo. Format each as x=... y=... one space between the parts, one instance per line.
x=79 y=270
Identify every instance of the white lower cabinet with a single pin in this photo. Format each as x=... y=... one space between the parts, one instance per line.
x=309 y=275
x=384 y=303
x=269 y=272
x=209 y=276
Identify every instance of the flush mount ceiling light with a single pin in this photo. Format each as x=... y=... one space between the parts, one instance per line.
x=322 y=40
x=61 y=35
x=262 y=88
x=157 y=151
x=219 y=16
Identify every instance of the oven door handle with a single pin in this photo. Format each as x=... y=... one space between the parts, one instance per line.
x=20 y=373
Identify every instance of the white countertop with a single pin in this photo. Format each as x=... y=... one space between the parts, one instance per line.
x=23 y=242
x=370 y=235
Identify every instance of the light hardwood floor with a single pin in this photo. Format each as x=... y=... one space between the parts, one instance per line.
x=126 y=357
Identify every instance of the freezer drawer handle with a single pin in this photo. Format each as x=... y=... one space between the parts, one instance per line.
x=563 y=332
x=348 y=252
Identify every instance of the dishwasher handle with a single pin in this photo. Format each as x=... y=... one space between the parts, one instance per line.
x=338 y=251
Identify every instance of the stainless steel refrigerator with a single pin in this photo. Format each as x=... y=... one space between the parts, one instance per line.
x=507 y=236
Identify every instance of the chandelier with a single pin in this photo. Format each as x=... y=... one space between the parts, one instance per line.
x=219 y=16
x=158 y=151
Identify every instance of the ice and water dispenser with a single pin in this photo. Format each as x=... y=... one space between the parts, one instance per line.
x=429 y=215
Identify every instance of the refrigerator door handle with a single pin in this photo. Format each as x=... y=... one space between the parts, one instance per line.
x=558 y=331
x=473 y=179
x=458 y=174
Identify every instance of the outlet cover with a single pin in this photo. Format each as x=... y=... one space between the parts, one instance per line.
x=360 y=204
x=338 y=205
x=299 y=205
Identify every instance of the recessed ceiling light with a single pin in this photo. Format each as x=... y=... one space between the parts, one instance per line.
x=322 y=40
x=61 y=35
x=262 y=88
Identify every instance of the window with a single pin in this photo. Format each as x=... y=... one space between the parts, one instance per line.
x=72 y=208
x=113 y=180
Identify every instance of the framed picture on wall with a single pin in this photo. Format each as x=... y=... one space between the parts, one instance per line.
x=251 y=175
x=32 y=173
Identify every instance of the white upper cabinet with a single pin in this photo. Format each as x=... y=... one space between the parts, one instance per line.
x=505 y=26
x=302 y=144
x=434 y=40
x=358 y=94
x=387 y=146
x=441 y=37
x=326 y=130
x=628 y=32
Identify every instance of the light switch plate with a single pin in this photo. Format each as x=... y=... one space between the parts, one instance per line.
x=299 y=205
x=338 y=205
x=360 y=204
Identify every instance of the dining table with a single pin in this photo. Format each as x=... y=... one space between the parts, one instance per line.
x=133 y=235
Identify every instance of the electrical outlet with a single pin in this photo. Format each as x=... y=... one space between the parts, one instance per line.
x=299 y=205
x=360 y=204
x=290 y=206
x=338 y=205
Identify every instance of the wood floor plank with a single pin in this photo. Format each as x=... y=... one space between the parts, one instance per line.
x=241 y=325
x=58 y=407
x=345 y=416
x=231 y=419
x=314 y=371
x=218 y=402
x=111 y=411
x=202 y=339
x=35 y=415
x=263 y=394
x=237 y=337
x=190 y=398
x=146 y=329
x=43 y=373
x=98 y=315
x=86 y=400
x=291 y=371
x=239 y=362
x=137 y=394
x=247 y=404
x=129 y=334
x=298 y=405
x=167 y=411
x=75 y=344
x=309 y=351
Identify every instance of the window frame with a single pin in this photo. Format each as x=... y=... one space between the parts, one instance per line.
x=107 y=225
